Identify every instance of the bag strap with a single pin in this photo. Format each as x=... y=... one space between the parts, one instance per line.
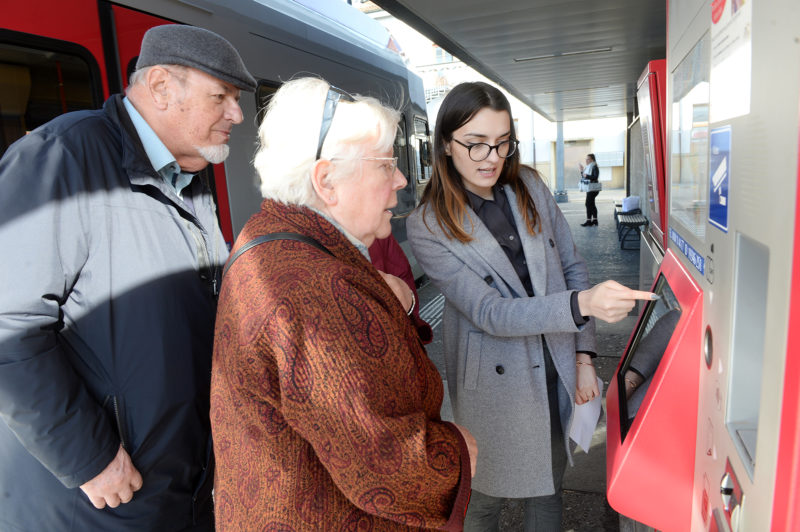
x=269 y=238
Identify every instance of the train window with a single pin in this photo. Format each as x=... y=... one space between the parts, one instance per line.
x=645 y=351
x=689 y=143
x=38 y=85
x=264 y=92
x=424 y=156
x=406 y=198
x=401 y=148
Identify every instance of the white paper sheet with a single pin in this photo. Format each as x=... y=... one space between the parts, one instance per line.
x=585 y=419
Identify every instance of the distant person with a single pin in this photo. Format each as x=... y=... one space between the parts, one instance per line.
x=324 y=405
x=108 y=307
x=590 y=175
x=517 y=330
x=387 y=256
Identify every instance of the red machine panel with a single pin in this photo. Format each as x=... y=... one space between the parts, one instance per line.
x=651 y=433
x=651 y=96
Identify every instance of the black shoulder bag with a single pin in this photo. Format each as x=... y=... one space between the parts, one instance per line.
x=270 y=237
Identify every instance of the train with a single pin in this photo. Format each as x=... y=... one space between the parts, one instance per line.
x=57 y=57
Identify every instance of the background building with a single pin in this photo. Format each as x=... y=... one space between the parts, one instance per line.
x=440 y=71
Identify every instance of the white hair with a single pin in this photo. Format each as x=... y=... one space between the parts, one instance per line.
x=289 y=134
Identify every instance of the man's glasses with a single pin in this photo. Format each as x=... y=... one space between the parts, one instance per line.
x=334 y=95
x=480 y=150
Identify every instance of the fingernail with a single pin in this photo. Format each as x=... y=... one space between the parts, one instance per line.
x=655 y=296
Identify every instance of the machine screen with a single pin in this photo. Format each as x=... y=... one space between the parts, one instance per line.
x=645 y=351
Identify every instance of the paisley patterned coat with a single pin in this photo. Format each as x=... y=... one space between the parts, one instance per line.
x=324 y=405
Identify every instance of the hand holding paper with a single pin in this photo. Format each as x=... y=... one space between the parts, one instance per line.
x=585 y=419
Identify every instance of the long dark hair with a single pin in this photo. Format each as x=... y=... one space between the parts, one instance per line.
x=445 y=193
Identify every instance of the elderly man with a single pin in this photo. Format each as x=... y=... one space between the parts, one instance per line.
x=111 y=265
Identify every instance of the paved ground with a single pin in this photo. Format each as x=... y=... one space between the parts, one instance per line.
x=585 y=506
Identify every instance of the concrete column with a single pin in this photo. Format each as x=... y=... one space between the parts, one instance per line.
x=560 y=192
x=533 y=136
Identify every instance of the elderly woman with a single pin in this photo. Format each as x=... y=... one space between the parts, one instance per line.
x=324 y=405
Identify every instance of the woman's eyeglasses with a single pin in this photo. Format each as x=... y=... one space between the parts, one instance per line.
x=334 y=95
x=389 y=166
x=480 y=150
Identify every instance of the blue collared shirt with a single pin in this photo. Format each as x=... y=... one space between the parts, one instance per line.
x=160 y=157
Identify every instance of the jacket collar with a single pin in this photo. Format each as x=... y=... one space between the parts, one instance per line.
x=485 y=245
x=135 y=161
x=532 y=245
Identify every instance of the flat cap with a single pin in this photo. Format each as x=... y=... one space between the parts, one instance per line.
x=178 y=44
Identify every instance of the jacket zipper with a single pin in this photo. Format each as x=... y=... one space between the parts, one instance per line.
x=203 y=257
x=119 y=423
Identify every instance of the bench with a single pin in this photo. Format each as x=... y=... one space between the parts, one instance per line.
x=630 y=228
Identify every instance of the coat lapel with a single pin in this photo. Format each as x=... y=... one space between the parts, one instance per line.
x=532 y=245
x=485 y=245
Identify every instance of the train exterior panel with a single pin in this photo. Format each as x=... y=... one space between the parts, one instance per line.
x=62 y=56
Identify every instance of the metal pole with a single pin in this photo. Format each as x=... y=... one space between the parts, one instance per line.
x=560 y=192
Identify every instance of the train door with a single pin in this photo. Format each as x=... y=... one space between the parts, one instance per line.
x=51 y=62
x=729 y=458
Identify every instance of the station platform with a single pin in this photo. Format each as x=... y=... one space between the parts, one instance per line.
x=585 y=505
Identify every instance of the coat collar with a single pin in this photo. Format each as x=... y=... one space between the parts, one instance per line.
x=135 y=161
x=532 y=245
x=485 y=245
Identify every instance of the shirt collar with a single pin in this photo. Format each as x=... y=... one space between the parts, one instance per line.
x=160 y=157
x=476 y=202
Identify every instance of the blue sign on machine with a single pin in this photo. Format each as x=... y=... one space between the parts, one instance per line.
x=719 y=177
x=694 y=257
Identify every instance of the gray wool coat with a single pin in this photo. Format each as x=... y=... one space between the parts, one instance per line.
x=489 y=321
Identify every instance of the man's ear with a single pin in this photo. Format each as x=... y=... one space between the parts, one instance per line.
x=158 y=81
x=322 y=182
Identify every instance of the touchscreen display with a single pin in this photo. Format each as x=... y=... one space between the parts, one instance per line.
x=645 y=351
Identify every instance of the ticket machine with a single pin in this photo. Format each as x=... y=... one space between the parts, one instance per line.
x=709 y=439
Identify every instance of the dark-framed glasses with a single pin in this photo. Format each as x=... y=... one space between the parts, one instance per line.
x=331 y=100
x=480 y=150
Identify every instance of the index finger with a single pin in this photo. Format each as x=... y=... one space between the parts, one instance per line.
x=640 y=294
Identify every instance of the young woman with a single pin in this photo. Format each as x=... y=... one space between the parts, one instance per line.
x=590 y=172
x=518 y=338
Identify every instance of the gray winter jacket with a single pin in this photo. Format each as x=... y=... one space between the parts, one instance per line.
x=106 y=328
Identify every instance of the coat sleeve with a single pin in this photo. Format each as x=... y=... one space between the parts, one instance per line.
x=576 y=274
x=362 y=414
x=478 y=300
x=387 y=256
x=42 y=399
